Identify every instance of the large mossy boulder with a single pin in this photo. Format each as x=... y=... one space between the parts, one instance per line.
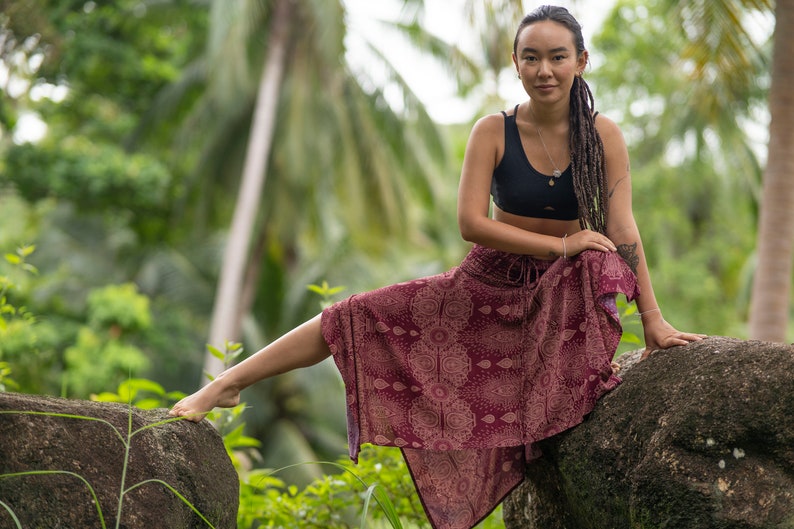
x=696 y=437
x=51 y=461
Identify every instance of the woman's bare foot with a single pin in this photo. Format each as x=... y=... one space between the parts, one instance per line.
x=215 y=394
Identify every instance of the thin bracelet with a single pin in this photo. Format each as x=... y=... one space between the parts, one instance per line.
x=641 y=314
x=564 y=248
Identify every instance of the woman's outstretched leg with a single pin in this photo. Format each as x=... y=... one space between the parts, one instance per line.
x=301 y=347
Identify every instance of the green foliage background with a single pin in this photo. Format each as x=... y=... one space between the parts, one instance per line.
x=128 y=196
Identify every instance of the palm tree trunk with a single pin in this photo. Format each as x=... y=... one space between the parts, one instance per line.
x=251 y=277
x=225 y=323
x=769 y=307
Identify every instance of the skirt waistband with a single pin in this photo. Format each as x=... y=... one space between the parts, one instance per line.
x=504 y=268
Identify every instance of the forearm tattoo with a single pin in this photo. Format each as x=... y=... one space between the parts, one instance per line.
x=629 y=254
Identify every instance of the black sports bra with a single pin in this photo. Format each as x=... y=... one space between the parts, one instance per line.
x=518 y=188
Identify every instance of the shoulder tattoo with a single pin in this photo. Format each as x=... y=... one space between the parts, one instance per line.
x=629 y=254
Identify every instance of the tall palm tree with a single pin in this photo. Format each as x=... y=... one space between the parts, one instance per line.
x=721 y=24
x=686 y=93
x=771 y=295
x=327 y=163
x=224 y=324
x=719 y=44
x=336 y=155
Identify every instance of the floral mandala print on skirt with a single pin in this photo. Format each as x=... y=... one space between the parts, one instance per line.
x=465 y=370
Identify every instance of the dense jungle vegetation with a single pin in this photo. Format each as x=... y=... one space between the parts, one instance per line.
x=115 y=220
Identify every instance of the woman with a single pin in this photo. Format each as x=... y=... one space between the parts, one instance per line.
x=464 y=371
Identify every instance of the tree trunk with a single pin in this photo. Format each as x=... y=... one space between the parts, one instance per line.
x=769 y=307
x=225 y=325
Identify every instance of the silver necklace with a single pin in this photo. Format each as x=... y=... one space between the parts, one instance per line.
x=556 y=173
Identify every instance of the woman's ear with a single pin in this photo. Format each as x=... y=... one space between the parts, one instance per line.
x=581 y=62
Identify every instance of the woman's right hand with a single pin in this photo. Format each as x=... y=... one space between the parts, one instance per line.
x=588 y=240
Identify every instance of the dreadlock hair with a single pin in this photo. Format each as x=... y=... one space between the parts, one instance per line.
x=587 y=149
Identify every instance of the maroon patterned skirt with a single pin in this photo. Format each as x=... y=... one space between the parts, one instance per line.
x=465 y=370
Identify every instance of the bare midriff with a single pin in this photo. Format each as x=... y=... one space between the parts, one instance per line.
x=552 y=227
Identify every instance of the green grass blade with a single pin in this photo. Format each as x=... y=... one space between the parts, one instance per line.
x=158 y=423
x=176 y=493
x=78 y=476
x=388 y=507
x=13 y=516
x=67 y=416
x=365 y=509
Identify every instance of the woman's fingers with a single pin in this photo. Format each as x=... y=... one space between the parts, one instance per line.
x=672 y=340
x=591 y=240
x=692 y=337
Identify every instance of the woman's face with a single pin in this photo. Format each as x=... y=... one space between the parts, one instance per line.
x=547 y=61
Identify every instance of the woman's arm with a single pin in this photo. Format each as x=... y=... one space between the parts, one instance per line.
x=622 y=230
x=483 y=153
x=484 y=150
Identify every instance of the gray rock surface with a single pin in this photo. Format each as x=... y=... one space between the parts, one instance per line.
x=698 y=437
x=188 y=457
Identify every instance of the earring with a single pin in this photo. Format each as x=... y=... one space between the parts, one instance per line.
x=519 y=76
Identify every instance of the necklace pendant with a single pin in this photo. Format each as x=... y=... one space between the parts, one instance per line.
x=557 y=173
x=551 y=182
